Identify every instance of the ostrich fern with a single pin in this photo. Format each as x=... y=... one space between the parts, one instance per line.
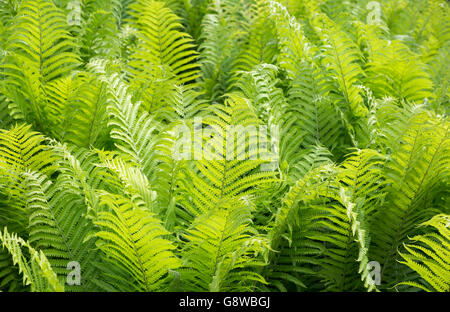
x=97 y=98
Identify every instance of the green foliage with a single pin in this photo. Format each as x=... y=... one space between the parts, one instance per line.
x=36 y=271
x=416 y=172
x=41 y=50
x=164 y=55
x=220 y=249
x=428 y=256
x=21 y=151
x=224 y=145
x=132 y=238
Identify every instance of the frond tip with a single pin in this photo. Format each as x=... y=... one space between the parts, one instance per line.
x=36 y=270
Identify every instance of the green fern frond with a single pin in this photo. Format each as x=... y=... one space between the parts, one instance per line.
x=5 y=115
x=21 y=150
x=10 y=278
x=342 y=219
x=261 y=42
x=222 y=31
x=428 y=255
x=58 y=226
x=294 y=46
x=34 y=61
x=393 y=70
x=418 y=169
x=226 y=167
x=318 y=118
x=169 y=178
x=221 y=249
x=131 y=129
x=158 y=25
x=98 y=38
x=293 y=255
x=36 y=270
x=261 y=86
x=128 y=179
x=76 y=110
x=132 y=238
x=342 y=61
x=164 y=55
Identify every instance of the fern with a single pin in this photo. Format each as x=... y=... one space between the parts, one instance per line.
x=318 y=118
x=393 y=70
x=346 y=217
x=21 y=150
x=294 y=46
x=224 y=145
x=77 y=110
x=220 y=36
x=36 y=270
x=226 y=170
x=164 y=55
x=341 y=59
x=219 y=250
x=292 y=254
x=414 y=175
x=428 y=256
x=261 y=45
x=34 y=61
x=132 y=238
x=131 y=129
x=9 y=275
x=57 y=227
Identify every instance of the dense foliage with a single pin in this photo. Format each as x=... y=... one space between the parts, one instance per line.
x=92 y=93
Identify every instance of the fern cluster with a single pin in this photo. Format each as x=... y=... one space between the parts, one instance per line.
x=98 y=98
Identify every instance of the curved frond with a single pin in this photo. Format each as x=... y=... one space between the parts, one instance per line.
x=133 y=239
x=41 y=50
x=221 y=249
x=36 y=270
x=428 y=255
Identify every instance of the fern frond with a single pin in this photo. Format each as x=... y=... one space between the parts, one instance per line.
x=428 y=255
x=226 y=168
x=10 y=278
x=58 y=226
x=76 y=110
x=5 y=115
x=169 y=178
x=36 y=270
x=393 y=70
x=132 y=238
x=261 y=42
x=293 y=255
x=21 y=150
x=294 y=46
x=310 y=98
x=418 y=170
x=34 y=61
x=128 y=179
x=164 y=55
x=132 y=130
x=221 y=249
x=158 y=25
x=341 y=59
x=339 y=217
x=222 y=30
